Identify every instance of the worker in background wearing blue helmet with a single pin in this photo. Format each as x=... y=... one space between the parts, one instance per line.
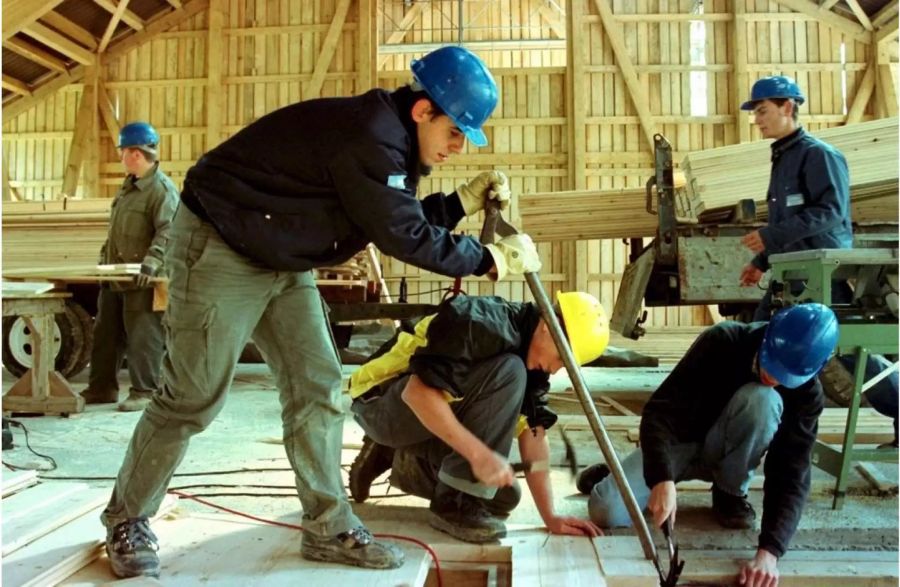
x=740 y=391
x=126 y=325
x=809 y=188
x=305 y=186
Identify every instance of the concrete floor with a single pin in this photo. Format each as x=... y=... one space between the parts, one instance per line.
x=247 y=436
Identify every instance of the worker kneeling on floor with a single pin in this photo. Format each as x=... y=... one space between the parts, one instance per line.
x=741 y=390
x=442 y=405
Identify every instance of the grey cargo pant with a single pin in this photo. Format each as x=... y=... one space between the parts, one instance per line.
x=126 y=326
x=731 y=451
x=489 y=409
x=217 y=300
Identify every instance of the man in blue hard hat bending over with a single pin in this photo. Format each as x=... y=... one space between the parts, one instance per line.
x=126 y=325
x=305 y=186
x=740 y=391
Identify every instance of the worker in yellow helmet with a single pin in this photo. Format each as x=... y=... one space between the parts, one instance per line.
x=441 y=406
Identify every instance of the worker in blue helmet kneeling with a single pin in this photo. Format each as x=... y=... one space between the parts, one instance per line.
x=740 y=391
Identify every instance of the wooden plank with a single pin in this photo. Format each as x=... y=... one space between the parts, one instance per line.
x=326 y=54
x=128 y=17
x=887 y=32
x=409 y=19
x=629 y=74
x=367 y=45
x=542 y=559
x=888 y=11
x=863 y=94
x=13 y=481
x=860 y=14
x=575 y=93
x=34 y=53
x=113 y=23
x=107 y=115
x=86 y=118
x=13 y=85
x=214 y=60
x=741 y=85
x=17 y=14
x=888 y=88
x=32 y=514
x=173 y=19
x=59 y=43
x=844 y=25
x=40 y=93
x=70 y=29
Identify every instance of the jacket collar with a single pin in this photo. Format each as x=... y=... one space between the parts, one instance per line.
x=403 y=99
x=145 y=181
x=783 y=144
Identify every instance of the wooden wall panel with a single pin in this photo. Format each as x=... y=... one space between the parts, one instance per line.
x=270 y=49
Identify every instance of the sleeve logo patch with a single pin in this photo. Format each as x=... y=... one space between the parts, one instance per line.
x=398 y=182
x=794 y=200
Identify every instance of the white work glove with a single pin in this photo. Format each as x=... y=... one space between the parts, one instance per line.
x=515 y=255
x=489 y=185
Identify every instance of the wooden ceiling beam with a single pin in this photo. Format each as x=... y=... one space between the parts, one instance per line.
x=35 y=54
x=828 y=4
x=128 y=17
x=40 y=92
x=113 y=23
x=890 y=10
x=17 y=14
x=175 y=3
x=57 y=42
x=860 y=14
x=888 y=31
x=13 y=85
x=844 y=25
x=70 y=29
x=174 y=18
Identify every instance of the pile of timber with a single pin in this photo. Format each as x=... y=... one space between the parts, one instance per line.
x=586 y=214
x=70 y=233
x=723 y=176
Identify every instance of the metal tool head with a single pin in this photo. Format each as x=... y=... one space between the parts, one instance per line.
x=676 y=565
x=494 y=224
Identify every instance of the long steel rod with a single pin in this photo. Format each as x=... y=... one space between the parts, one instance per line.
x=581 y=390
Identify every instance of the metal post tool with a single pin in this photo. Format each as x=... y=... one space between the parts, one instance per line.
x=494 y=224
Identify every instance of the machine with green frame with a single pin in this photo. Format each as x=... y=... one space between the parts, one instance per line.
x=868 y=325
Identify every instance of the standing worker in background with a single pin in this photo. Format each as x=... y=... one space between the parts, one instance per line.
x=809 y=188
x=442 y=405
x=126 y=325
x=742 y=391
x=305 y=186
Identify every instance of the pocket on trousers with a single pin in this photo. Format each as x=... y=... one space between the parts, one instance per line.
x=188 y=344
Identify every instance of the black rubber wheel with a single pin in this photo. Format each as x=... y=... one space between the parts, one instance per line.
x=72 y=340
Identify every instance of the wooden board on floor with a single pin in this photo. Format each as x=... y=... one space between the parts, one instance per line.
x=543 y=559
x=13 y=481
x=224 y=550
x=30 y=514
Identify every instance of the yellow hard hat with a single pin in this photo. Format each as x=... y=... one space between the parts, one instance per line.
x=586 y=324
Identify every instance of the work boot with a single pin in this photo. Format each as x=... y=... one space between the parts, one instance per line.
x=136 y=401
x=732 y=511
x=463 y=516
x=131 y=547
x=356 y=547
x=100 y=396
x=590 y=477
x=373 y=460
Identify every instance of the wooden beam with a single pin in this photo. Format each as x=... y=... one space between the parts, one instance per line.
x=863 y=94
x=888 y=31
x=57 y=42
x=87 y=114
x=860 y=14
x=844 y=25
x=888 y=88
x=828 y=4
x=617 y=41
x=91 y=147
x=367 y=45
x=10 y=194
x=175 y=3
x=214 y=60
x=107 y=113
x=13 y=85
x=113 y=23
x=128 y=17
x=551 y=17
x=314 y=89
x=39 y=93
x=410 y=18
x=34 y=53
x=882 y=16
x=70 y=29
x=741 y=83
x=17 y=14
x=572 y=252
x=174 y=18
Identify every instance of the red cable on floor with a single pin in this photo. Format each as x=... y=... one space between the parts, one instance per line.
x=417 y=542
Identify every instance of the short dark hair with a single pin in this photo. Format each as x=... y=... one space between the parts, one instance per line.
x=780 y=102
x=422 y=95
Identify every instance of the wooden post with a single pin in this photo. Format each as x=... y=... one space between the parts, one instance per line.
x=741 y=85
x=575 y=252
x=214 y=60
x=368 y=46
x=329 y=45
x=87 y=115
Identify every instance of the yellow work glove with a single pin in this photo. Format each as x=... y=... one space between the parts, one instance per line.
x=515 y=255
x=489 y=185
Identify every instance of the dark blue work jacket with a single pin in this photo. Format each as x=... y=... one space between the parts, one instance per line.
x=808 y=199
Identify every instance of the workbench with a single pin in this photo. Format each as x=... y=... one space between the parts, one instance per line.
x=863 y=331
x=41 y=389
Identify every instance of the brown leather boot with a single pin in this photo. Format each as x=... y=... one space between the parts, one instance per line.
x=373 y=460
x=100 y=396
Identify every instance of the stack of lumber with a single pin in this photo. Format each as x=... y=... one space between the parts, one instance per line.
x=723 y=176
x=586 y=214
x=667 y=344
x=53 y=233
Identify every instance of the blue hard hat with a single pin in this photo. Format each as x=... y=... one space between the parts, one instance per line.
x=776 y=86
x=138 y=134
x=798 y=342
x=461 y=85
